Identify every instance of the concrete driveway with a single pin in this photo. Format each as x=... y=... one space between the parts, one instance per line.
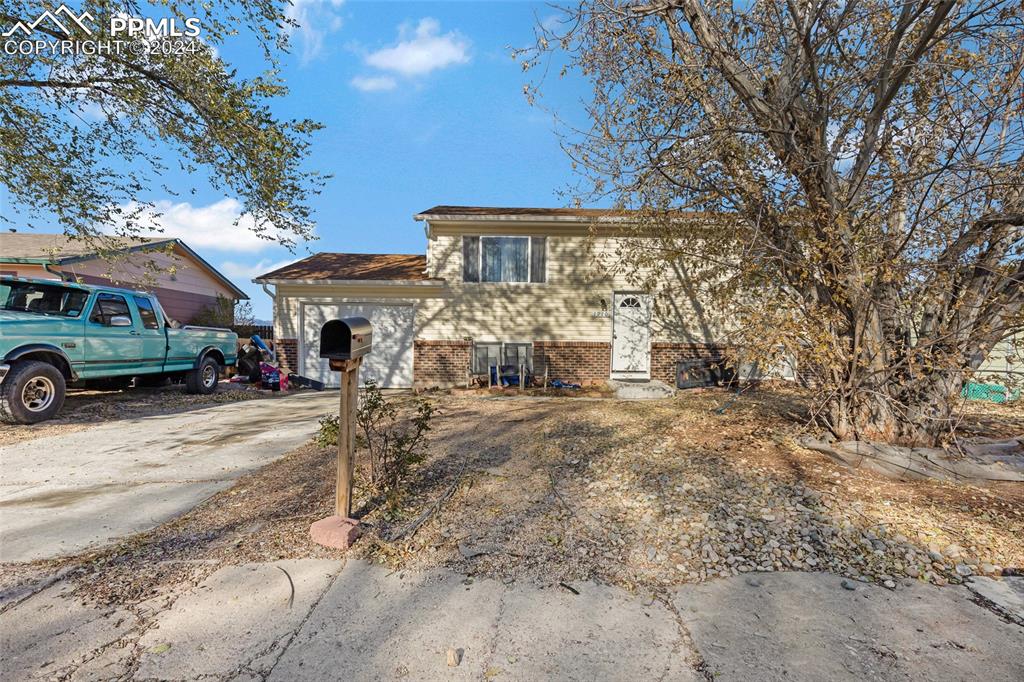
x=62 y=494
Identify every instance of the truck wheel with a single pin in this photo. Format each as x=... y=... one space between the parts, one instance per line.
x=32 y=392
x=203 y=379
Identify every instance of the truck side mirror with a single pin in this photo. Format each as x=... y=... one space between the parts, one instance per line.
x=120 y=321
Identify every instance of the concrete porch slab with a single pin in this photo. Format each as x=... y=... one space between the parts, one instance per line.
x=647 y=389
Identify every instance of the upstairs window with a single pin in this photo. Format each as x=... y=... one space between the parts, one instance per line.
x=504 y=259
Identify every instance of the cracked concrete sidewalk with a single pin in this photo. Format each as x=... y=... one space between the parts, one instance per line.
x=317 y=619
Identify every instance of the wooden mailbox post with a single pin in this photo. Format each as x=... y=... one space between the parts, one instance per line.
x=344 y=343
x=346 y=434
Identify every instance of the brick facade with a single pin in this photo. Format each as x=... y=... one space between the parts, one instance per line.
x=664 y=357
x=444 y=363
x=581 y=362
x=287 y=351
x=440 y=363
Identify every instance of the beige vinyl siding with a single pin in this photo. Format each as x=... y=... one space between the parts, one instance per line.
x=565 y=308
x=561 y=308
x=1005 y=364
x=290 y=298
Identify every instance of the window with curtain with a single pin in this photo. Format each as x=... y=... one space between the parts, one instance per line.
x=504 y=259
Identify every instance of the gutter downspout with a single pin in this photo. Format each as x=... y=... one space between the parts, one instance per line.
x=60 y=274
x=426 y=233
x=273 y=303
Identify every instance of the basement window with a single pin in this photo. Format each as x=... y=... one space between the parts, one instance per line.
x=491 y=354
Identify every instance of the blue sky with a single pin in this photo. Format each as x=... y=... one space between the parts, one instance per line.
x=422 y=104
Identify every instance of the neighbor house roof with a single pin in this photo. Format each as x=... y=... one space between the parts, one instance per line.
x=33 y=247
x=353 y=266
x=60 y=249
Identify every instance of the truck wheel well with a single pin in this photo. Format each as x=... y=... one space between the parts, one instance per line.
x=50 y=358
x=211 y=353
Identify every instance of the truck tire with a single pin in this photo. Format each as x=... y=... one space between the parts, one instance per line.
x=203 y=379
x=32 y=392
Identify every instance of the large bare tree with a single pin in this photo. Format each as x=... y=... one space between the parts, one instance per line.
x=864 y=159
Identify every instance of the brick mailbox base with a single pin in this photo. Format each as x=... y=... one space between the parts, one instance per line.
x=335 y=531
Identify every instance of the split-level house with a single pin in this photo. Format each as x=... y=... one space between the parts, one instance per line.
x=496 y=286
x=511 y=286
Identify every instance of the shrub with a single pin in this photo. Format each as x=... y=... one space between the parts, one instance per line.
x=394 y=442
x=328 y=433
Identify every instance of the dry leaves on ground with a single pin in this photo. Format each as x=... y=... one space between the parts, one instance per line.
x=642 y=495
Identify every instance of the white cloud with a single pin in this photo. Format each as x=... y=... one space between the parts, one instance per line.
x=421 y=50
x=248 y=271
x=316 y=19
x=373 y=83
x=210 y=227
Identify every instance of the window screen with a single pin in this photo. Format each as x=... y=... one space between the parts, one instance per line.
x=108 y=306
x=147 y=313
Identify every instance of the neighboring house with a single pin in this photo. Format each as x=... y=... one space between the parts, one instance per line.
x=184 y=282
x=496 y=286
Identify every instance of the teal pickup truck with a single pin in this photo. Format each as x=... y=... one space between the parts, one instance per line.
x=56 y=333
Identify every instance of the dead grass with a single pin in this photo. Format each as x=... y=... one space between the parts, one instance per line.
x=641 y=495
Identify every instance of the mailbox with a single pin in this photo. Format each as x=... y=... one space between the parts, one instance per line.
x=345 y=339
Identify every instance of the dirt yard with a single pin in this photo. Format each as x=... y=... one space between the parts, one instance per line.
x=641 y=495
x=84 y=408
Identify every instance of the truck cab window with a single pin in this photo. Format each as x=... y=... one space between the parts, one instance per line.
x=146 y=312
x=108 y=306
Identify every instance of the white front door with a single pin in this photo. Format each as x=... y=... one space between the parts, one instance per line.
x=390 y=361
x=631 y=336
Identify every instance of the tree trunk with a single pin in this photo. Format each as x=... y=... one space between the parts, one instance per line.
x=915 y=412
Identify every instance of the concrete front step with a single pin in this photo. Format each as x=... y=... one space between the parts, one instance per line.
x=648 y=389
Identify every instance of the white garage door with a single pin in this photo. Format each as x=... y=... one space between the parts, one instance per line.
x=390 y=362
